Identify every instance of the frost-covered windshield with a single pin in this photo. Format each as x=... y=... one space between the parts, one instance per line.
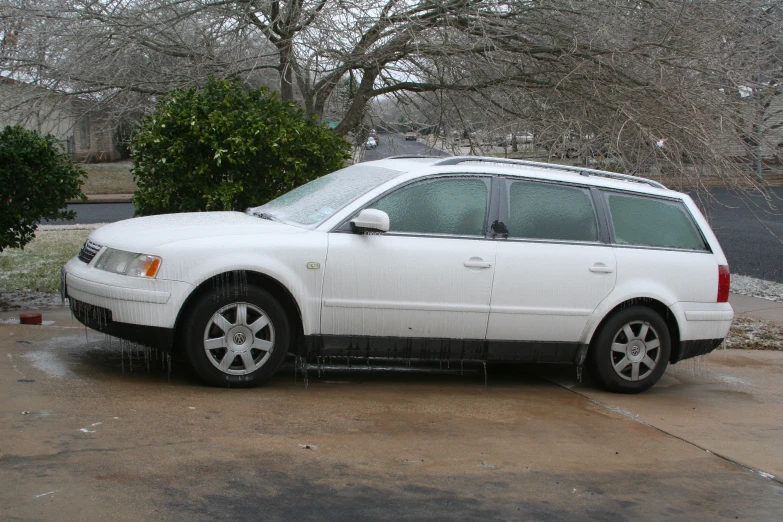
x=313 y=203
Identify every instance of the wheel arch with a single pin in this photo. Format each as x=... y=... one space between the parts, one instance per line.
x=268 y=283
x=657 y=306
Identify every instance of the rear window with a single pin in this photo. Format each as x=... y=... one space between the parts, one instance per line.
x=549 y=211
x=646 y=221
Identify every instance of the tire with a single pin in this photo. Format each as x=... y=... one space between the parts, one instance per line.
x=226 y=350
x=631 y=351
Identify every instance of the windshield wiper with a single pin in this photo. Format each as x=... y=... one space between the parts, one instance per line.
x=263 y=215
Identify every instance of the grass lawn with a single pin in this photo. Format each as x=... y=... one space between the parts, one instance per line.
x=753 y=334
x=108 y=178
x=37 y=267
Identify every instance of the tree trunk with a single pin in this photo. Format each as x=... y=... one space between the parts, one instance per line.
x=285 y=48
x=356 y=110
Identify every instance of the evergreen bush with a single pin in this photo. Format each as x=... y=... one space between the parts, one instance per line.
x=36 y=179
x=224 y=147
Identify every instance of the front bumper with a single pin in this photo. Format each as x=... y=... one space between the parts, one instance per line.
x=100 y=299
x=101 y=319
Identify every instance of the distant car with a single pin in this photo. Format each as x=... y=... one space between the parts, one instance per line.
x=508 y=139
x=411 y=136
x=460 y=258
x=371 y=143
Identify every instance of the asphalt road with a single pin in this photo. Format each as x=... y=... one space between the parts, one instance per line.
x=744 y=225
x=88 y=213
x=395 y=145
x=746 y=228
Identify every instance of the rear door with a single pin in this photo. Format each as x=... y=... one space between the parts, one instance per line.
x=554 y=268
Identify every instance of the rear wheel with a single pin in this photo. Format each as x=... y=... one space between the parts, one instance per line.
x=238 y=339
x=631 y=351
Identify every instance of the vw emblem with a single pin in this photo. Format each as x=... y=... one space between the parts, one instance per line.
x=239 y=338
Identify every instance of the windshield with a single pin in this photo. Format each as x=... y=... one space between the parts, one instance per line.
x=313 y=203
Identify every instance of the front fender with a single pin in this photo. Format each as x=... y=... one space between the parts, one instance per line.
x=296 y=264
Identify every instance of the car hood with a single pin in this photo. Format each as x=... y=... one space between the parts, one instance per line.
x=145 y=233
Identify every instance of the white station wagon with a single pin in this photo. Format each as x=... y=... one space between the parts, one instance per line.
x=459 y=259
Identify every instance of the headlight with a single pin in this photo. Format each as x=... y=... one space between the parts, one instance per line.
x=128 y=263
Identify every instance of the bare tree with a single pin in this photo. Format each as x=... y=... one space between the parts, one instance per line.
x=615 y=76
x=652 y=86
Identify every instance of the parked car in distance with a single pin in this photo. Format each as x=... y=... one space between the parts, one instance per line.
x=411 y=136
x=506 y=140
x=370 y=143
x=459 y=258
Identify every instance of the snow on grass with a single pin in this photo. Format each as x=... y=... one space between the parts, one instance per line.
x=754 y=334
x=753 y=287
x=36 y=268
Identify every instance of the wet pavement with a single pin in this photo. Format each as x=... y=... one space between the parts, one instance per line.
x=85 y=437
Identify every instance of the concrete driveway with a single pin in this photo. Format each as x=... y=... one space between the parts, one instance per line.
x=85 y=437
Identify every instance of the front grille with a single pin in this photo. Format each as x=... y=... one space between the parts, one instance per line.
x=88 y=251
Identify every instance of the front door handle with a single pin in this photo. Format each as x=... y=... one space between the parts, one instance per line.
x=600 y=268
x=477 y=262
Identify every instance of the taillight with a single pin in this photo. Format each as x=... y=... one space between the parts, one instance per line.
x=724 y=281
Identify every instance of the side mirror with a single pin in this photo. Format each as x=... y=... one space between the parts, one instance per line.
x=371 y=219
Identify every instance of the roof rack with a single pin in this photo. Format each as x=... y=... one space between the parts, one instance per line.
x=410 y=156
x=456 y=160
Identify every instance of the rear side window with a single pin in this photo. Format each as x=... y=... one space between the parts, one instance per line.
x=446 y=206
x=645 y=221
x=549 y=211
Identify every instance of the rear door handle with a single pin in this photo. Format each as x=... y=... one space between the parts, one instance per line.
x=600 y=268
x=477 y=262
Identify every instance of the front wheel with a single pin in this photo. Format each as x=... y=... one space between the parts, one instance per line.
x=238 y=339
x=631 y=351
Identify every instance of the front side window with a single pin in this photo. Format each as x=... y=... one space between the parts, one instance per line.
x=547 y=211
x=445 y=206
x=646 y=221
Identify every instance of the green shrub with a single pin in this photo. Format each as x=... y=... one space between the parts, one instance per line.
x=36 y=179
x=227 y=148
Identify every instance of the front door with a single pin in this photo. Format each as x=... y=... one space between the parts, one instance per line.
x=430 y=276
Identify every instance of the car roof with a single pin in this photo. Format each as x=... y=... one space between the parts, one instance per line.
x=520 y=168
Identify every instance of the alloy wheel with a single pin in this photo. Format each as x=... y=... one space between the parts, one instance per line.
x=239 y=338
x=636 y=350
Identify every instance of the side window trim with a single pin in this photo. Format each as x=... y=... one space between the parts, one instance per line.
x=605 y=226
x=599 y=207
x=498 y=208
x=344 y=227
x=604 y=193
